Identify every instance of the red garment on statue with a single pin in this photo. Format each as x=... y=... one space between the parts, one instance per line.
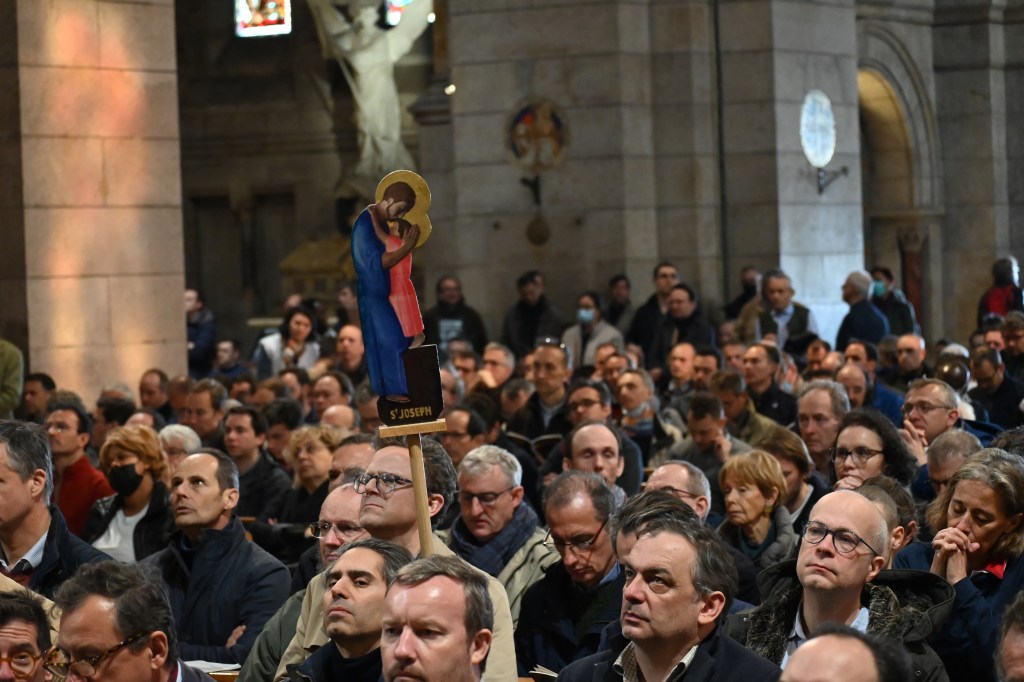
x=403 y=293
x=80 y=485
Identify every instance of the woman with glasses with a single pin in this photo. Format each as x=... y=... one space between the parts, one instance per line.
x=136 y=521
x=757 y=523
x=868 y=445
x=977 y=548
x=281 y=530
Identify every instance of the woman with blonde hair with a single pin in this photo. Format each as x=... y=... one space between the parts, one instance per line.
x=978 y=548
x=137 y=520
x=757 y=522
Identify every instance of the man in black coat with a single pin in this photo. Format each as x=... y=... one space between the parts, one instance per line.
x=671 y=602
x=36 y=548
x=222 y=587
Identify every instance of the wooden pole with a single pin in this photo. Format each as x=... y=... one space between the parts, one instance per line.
x=419 y=489
x=419 y=475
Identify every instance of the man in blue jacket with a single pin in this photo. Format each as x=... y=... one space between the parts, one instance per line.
x=223 y=588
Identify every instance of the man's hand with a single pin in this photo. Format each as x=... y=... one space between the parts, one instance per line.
x=915 y=441
x=723 y=447
x=236 y=635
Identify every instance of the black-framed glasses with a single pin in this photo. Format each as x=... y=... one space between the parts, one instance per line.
x=845 y=541
x=345 y=531
x=485 y=499
x=22 y=664
x=860 y=454
x=576 y=545
x=386 y=483
x=60 y=664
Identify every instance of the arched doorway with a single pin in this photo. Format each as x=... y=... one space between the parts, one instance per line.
x=900 y=171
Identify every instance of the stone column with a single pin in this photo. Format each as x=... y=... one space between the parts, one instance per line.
x=593 y=60
x=970 y=61
x=773 y=53
x=92 y=250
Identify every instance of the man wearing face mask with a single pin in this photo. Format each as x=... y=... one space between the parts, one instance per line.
x=893 y=303
x=589 y=332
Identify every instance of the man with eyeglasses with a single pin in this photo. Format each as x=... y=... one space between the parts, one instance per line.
x=563 y=614
x=930 y=410
x=496 y=531
x=116 y=625
x=679 y=581
x=388 y=512
x=24 y=637
x=337 y=527
x=838 y=578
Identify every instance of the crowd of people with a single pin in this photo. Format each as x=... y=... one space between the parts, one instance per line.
x=659 y=492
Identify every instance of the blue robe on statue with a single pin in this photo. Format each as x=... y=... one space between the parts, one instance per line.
x=382 y=333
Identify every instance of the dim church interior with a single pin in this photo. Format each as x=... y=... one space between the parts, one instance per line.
x=214 y=160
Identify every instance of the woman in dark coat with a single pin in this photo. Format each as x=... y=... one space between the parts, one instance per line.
x=978 y=549
x=137 y=520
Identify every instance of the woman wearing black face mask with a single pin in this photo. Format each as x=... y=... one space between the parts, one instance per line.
x=137 y=521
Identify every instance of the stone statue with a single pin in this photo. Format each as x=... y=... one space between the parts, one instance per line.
x=367 y=54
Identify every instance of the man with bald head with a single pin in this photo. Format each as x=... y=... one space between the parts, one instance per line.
x=596 y=447
x=340 y=417
x=677 y=387
x=863 y=391
x=839 y=653
x=838 y=578
x=910 y=355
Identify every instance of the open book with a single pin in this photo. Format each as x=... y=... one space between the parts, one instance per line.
x=542 y=674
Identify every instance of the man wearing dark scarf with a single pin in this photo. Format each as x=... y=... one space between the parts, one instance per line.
x=451 y=318
x=495 y=531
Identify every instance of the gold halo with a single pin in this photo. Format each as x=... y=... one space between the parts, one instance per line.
x=418 y=214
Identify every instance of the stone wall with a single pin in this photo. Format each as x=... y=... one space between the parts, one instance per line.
x=97 y=254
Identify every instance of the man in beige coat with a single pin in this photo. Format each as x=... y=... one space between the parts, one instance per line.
x=388 y=512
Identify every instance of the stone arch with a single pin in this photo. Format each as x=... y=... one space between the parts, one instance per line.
x=902 y=167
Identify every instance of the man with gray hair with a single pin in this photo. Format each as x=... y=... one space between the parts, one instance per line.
x=36 y=548
x=563 y=614
x=447 y=598
x=496 y=531
x=864 y=321
x=223 y=588
x=822 y=404
x=838 y=578
x=679 y=582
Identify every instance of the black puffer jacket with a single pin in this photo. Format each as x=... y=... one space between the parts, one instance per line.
x=152 y=531
x=904 y=605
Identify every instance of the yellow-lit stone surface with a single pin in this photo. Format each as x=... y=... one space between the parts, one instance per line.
x=101 y=192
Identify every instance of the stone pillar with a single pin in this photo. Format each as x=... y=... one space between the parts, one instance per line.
x=593 y=60
x=92 y=250
x=773 y=53
x=970 y=87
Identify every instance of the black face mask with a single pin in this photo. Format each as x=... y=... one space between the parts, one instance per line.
x=124 y=479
